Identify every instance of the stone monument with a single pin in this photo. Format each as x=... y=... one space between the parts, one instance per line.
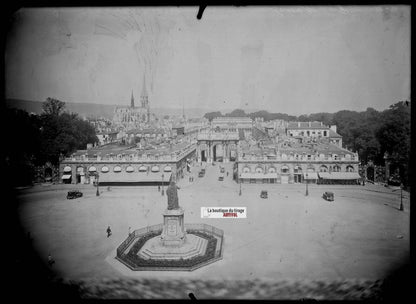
x=173 y=233
x=174 y=244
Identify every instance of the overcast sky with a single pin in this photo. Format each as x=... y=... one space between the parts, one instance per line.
x=295 y=60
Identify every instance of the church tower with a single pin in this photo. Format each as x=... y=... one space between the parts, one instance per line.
x=132 y=100
x=144 y=98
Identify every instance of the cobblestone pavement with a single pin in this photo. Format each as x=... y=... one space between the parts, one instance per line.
x=235 y=289
x=291 y=246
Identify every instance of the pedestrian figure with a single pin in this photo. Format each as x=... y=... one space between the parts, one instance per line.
x=158 y=188
x=227 y=173
x=108 y=231
x=51 y=261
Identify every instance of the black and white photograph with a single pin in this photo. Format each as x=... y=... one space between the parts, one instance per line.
x=208 y=153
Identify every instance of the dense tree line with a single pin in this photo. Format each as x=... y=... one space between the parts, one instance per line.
x=370 y=133
x=32 y=140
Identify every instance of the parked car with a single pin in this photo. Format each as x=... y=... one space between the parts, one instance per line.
x=329 y=196
x=263 y=194
x=222 y=170
x=203 y=170
x=221 y=178
x=73 y=194
x=201 y=174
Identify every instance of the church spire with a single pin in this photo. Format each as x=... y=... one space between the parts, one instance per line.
x=144 y=90
x=132 y=100
x=143 y=97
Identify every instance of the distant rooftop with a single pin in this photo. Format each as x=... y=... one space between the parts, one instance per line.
x=295 y=147
x=227 y=118
x=115 y=148
x=306 y=125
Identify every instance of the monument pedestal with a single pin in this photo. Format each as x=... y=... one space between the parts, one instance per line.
x=173 y=233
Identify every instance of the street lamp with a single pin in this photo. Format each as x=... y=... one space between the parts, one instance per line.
x=163 y=191
x=98 y=192
x=306 y=182
x=240 y=185
x=401 y=198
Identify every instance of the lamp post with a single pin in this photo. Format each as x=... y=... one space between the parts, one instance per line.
x=401 y=198
x=239 y=193
x=98 y=192
x=163 y=191
x=306 y=183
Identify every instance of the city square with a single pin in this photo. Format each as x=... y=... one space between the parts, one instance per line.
x=240 y=153
x=362 y=234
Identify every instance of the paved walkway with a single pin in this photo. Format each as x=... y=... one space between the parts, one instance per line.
x=362 y=234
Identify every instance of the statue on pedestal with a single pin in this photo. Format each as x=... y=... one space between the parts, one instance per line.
x=172 y=194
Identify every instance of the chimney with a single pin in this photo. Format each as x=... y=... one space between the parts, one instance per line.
x=334 y=128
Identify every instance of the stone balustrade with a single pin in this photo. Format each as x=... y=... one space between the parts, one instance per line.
x=293 y=158
x=136 y=158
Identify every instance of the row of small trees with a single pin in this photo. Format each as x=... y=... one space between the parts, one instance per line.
x=32 y=140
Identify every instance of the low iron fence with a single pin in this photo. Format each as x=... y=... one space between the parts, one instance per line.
x=143 y=232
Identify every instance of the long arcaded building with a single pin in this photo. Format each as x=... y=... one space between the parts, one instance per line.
x=121 y=165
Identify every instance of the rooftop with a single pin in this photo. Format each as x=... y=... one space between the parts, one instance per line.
x=306 y=125
x=295 y=147
x=115 y=148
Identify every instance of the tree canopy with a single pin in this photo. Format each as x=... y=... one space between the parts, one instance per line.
x=211 y=115
x=37 y=139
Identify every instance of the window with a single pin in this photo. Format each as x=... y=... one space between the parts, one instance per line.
x=104 y=169
x=350 y=169
x=155 y=169
x=129 y=169
x=259 y=170
x=323 y=169
x=92 y=169
x=168 y=169
x=272 y=170
x=285 y=169
x=246 y=170
x=142 y=169
x=337 y=169
x=117 y=169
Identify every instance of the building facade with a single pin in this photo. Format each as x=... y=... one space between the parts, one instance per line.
x=285 y=168
x=314 y=129
x=126 y=168
x=232 y=124
x=217 y=146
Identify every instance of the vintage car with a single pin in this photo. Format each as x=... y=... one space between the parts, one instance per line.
x=221 y=178
x=329 y=196
x=201 y=174
x=263 y=194
x=73 y=194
